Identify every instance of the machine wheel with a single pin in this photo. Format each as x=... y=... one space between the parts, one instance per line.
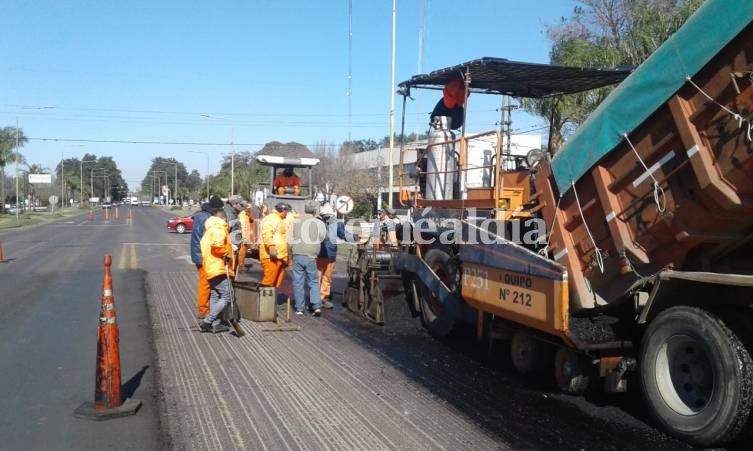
x=697 y=376
x=571 y=371
x=528 y=354
x=434 y=316
x=180 y=228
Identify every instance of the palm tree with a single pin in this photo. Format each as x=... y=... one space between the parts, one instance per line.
x=8 y=153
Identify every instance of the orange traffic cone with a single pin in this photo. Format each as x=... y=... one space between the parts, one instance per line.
x=117 y=214
x=2 y=257
x=107 y=397
x=129 y=219
x=91 y=215
x=107 y=215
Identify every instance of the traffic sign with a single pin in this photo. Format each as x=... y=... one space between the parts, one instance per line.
x=344 y=205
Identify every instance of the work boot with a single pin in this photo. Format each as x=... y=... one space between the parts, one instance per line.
x=317 y=312
x=327 y=304
x=219 y=328
x=205 y=326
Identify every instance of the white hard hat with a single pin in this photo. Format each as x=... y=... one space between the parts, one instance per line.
x=326 y=209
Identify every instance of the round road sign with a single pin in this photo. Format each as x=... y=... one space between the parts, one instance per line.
x=344 y=205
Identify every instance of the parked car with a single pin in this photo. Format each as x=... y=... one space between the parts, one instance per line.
x=180 y=225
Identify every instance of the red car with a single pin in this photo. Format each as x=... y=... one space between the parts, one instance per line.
x=180 y=225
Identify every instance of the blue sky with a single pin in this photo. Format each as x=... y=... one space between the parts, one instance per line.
x=262 y=70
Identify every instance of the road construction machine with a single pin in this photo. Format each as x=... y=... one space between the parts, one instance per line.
x=629 y=251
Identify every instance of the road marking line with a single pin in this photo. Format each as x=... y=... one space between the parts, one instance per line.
x=122 y=260
x=134 y=261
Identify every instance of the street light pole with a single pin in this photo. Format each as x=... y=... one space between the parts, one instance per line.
x=62 y=182
x=17 y=143
x=175 y=194
x=81 y=195
x=159 y=180
x=232 y=163
x=17 y=204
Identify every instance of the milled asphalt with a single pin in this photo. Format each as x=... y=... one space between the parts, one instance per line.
x=310 y=389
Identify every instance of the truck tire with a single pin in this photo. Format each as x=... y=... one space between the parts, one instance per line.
x=435 y=318
x=697 y=376
x=529 y=354
x=571 y=371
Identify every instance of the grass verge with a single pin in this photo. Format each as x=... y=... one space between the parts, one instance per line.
x=35 y=218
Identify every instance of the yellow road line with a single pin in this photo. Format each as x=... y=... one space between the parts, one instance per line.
x=122 y=259
x=128 y=258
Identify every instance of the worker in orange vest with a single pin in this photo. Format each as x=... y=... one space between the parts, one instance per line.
x=245 y=235
x=273 y=250
x=287 y=182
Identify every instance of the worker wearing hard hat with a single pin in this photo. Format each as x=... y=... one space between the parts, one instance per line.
x=273 y=250
x=452 y=104
x=325 y=262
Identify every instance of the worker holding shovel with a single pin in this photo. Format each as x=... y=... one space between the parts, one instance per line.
x=217 y=255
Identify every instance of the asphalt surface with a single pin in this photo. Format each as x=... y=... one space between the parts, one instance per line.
x=50 y=295
x=337 y=383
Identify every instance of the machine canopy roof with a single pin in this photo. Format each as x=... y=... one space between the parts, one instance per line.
x=502 y=76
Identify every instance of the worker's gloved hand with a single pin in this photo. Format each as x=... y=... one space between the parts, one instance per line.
x=273 y=253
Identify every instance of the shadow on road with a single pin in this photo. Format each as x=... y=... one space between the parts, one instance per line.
x=128 y=389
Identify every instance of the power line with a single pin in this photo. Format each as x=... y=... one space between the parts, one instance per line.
x=118 y=141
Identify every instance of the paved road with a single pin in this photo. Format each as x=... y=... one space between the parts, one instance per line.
x=50 y=293
x=338 y=383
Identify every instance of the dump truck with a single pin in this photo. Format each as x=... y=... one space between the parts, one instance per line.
x=627 y=253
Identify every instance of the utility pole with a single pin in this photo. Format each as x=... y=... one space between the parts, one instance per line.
x=392 y=106
x=62 y=182
x=232 y=162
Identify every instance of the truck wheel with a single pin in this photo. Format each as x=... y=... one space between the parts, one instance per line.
x=434 y=316
x=180 y=228
x=571 y=371
x=697 y=376
x=528 y=354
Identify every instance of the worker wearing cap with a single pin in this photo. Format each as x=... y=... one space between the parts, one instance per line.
x=245 y=224
x=287 y=182
x=325 y=261
x=389 y=224
x=452 y=103
x=217 y=256
x=273 y=249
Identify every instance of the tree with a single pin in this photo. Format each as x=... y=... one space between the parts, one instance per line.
x=194 y=183
x=8 y=153
x=163 y=169
x=604 y=33
x=361 y=145
x=247 y=174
